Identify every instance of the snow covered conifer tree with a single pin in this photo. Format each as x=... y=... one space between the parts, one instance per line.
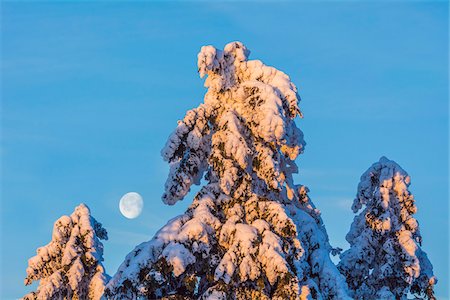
x=70 y=267
x=250 y=233
x=385 y=260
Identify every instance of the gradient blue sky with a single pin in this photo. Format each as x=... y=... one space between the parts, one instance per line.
x=91 y=90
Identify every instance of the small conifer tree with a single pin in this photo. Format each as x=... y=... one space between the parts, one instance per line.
x=385 y=260
x=70 y=267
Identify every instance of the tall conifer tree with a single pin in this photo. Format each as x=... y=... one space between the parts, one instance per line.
x=250 y=233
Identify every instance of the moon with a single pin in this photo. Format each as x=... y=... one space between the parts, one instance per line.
x=131 y=205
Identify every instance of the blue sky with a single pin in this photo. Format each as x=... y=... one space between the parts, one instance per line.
x=91 y=90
